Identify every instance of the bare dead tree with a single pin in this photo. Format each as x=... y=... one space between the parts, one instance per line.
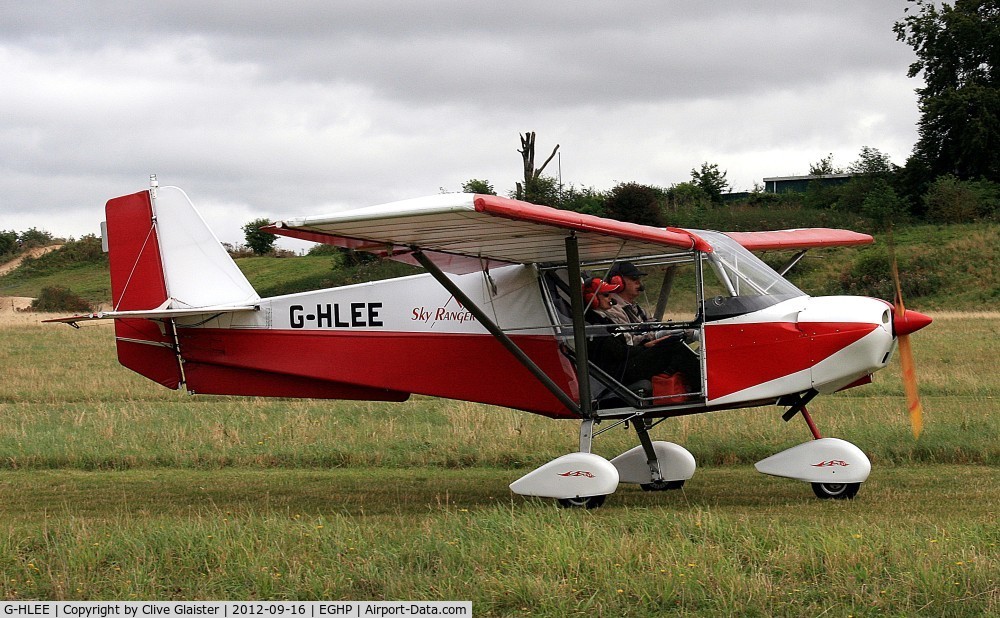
x=531 y=174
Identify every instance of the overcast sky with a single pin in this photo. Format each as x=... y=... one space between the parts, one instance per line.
x=267 y=109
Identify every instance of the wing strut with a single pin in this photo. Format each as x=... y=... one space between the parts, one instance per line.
x=497 y=333
x=579 y=326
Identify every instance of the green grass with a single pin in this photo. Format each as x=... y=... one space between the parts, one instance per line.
x=115 y=488
x=270 y=276
x=276 y=276
x=731 y=543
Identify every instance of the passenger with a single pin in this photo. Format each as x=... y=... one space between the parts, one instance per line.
x=611 y=351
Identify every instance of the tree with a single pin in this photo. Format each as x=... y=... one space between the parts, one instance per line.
x=588 y=201
x=882 y=205
x=34 y=237
x=480 y=187
x=57 y=298
x=631 y=201
x=950 y=200
x=533 y=184
x=8 y=242
x=958 y=55
x=686 y=197
x=873 y=171
x=824 y=167
x=872 y=162
x=711 y=181
x=542 y=190
x=261 y=243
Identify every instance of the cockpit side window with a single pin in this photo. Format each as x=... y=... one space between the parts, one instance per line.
x=651 y=357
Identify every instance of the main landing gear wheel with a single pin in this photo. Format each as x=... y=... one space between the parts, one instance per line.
x=661 y=485
x=590 y=502
x=836 y=491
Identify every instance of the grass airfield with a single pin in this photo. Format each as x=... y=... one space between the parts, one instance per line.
x=112 y=487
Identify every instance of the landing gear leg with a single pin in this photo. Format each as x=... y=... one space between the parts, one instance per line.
x=658 y=483
x=829 y=491
x=586 y=435
x=812 y=426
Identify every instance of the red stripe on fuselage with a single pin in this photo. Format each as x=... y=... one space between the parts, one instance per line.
x=740 y=356
x=466 y=367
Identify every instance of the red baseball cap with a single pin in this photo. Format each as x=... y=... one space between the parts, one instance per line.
x=598 y=286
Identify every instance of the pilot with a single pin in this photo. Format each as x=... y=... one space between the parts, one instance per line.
x=625 y=308
x=626 y=304
x=612 y=352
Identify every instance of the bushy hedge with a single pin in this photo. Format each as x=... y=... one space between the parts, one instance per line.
x=871 y=275
x=57 y=298
x=950 y=200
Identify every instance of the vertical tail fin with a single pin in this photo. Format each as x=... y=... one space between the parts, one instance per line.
x=163 y=256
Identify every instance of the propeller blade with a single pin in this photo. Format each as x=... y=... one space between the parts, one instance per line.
x=910 y=385
x=903 y=324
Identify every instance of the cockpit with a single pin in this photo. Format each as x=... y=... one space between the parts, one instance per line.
x=658 y=360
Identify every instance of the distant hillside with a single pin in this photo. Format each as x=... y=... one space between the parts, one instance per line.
x=79 y=265
x=82 y=267
x=951 y=267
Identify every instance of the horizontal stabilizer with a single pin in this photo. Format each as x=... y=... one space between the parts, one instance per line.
x=153 y=314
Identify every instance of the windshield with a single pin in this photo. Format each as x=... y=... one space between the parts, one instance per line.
x=743 y=282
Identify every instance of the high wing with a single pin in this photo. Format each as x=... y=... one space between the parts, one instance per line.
x=805 y=238
x=465 y=232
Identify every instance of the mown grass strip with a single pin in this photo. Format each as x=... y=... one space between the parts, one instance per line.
x=917 y=540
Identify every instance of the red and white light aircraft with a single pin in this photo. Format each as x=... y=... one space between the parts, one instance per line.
x=500 y=318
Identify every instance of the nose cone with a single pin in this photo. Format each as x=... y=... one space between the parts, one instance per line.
x=906 y=322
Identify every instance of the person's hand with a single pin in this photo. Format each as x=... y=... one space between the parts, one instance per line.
x=671 y=338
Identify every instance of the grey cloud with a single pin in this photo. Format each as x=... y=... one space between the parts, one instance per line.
x=295 y=108
x=506 y=54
